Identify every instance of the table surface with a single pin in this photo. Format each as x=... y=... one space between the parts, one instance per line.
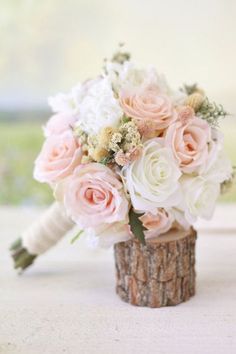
x=66 y=303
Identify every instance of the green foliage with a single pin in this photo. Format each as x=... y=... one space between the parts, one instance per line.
x=20 y=143
x=136 y=226
x=125 y=119
x=76 y=237
x=22 y=259
x=211 y=112
x=106 y=160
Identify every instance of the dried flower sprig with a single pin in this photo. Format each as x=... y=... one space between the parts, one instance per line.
x=195 y=101
x=120 y=57
x=190 y=89
x=127 y=137
x=211 y=112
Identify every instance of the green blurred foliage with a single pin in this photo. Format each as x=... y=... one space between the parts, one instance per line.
x=229 y=131
x=20 y=143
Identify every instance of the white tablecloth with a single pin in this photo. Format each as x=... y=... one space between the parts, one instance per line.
x=66 y=303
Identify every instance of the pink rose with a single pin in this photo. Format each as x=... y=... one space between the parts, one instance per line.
x=152 y=111
x=94 y=195
x=185 y=114
x=189 y=143
x=156 y=224
x=59 y=123
x=58 y=158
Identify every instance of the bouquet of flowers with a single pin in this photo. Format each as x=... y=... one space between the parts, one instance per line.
x=127 y=157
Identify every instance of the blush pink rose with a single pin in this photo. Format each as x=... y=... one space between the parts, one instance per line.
x=189 y=142
x=156 y=224
x=59 y=123
x=94 y=195
x=58 y=158
x=152 y=111
x=185 y=114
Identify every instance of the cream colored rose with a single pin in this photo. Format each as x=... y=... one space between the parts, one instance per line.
x=218 y=166
x=106 y=235
x=153 y=180
x=200 y=195
x=179 y=218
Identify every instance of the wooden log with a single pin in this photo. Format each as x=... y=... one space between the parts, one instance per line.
x=160 y=273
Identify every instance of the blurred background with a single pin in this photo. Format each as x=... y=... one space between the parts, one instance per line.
x=47 y=46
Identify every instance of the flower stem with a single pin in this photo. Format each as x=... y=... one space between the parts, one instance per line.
x=22 y=258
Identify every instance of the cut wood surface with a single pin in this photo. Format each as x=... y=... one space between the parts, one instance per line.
x=160 y=273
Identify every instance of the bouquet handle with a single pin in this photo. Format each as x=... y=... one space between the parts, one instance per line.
x=41 y=236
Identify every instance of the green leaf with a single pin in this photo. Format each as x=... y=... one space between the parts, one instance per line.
x=211 y=112
x=76 y=237
x=106 y=160
x=125 y=119
x=136 y=226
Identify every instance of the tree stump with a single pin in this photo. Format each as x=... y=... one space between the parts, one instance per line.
x=160 y=273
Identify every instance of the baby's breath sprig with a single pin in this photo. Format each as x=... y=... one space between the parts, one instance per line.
x=211 y=112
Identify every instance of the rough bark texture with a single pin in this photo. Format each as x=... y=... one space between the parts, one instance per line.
x=160 y=273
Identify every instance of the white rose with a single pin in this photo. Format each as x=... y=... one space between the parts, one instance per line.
x=200 y=195
x=179 y=217
x=99 y=108
x=107 y=235
x=152 y=180
x=215 y=144
x=218 y=166
x=221 y=169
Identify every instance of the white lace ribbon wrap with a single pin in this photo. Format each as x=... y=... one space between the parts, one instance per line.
x=47 y=231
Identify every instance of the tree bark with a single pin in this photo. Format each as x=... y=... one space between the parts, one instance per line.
x=160 y=273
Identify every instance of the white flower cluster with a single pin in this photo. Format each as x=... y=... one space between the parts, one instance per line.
x=93 y=103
